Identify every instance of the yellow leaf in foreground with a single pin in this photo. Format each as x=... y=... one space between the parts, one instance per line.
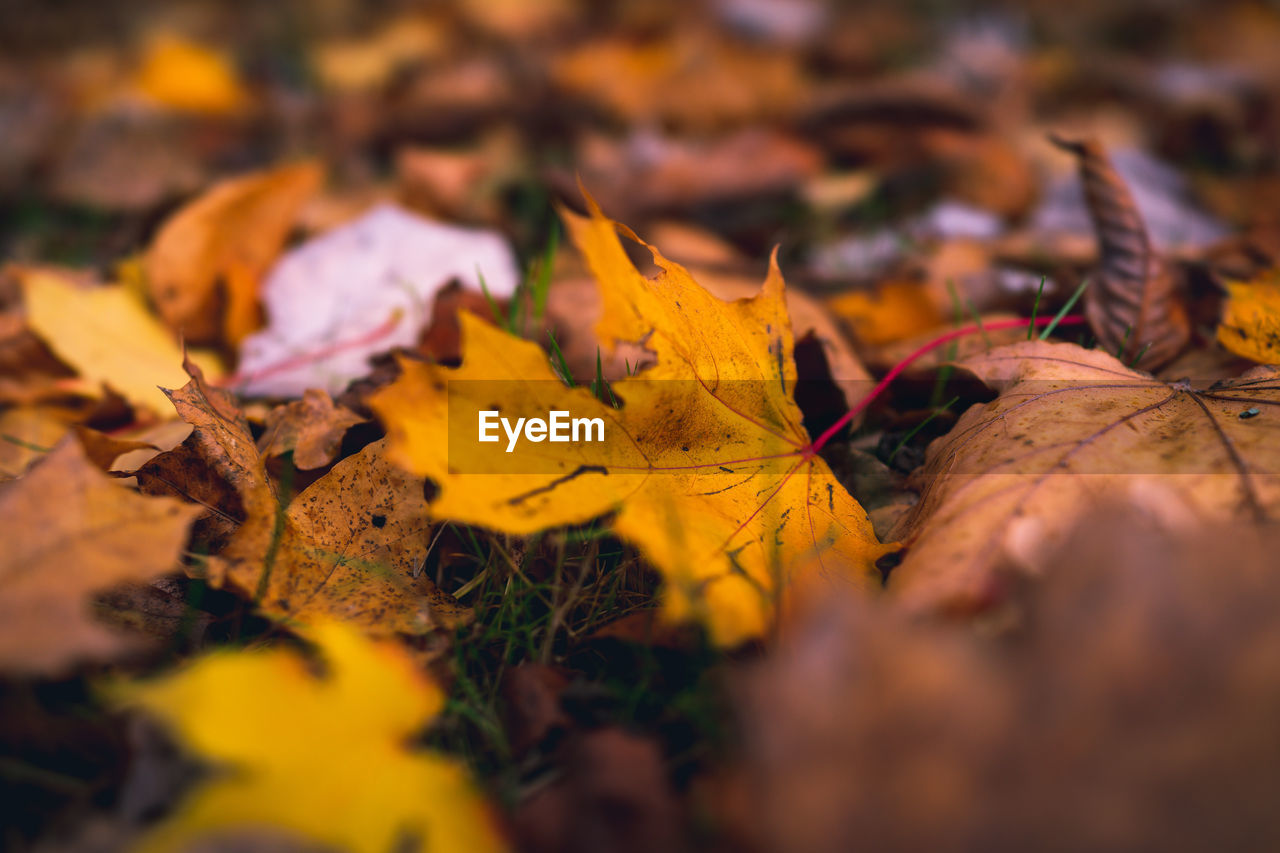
x=107 y=335
x=704 y=463
x=183 y=75
x=1251 y=319
x=324 y=757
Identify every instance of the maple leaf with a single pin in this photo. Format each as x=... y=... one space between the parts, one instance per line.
x=72 y=531
x=229 y=236
x=1251 y=319
x=706 y=463
x=323 y=757
x=1072 y=427
x=311 y=428
x=106 y=334
x=347 y=547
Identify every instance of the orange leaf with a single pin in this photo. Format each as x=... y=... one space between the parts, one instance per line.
x=204 y=266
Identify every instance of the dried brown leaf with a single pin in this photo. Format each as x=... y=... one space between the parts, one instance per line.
x=73 y=531
x=1135 y=710
x=312 y=428
x=1072 y=427
x=1133 y=304
x=348 y=547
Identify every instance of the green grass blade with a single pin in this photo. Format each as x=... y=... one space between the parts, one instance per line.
x=1035 y=309
x=915 y=429
x=1064 y=311
x=558 y=362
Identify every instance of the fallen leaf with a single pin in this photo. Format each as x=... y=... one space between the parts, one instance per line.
x=649 y=172
x=127 y=163
x=1144 y=674
x=895 y=310
x=347 y=547
x=1132 y=302
x=102 y=449
x=205 y=264
x=520 y=22
x=30 y=373
x=1072 y=427
x=107 y=335
x=705 y=255
x=613 y=793
x=1251 y=319
x=73 y=531
x=352 y=547
x=27 y=433
x=709 y=432
x=365 y=64
x=720 y=84
x=463 y=185
x=531 y=710
x=183 y=75
x=442 y=339
x=311 y=428
x=883 y=358
x=322 y=757
x=360 y=289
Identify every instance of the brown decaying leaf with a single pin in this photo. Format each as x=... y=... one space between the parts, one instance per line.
x=531 y=704
x=29 y=371
x=312 y=428
x=1132 y=303
x=228 y=236
x=648 y=173
x=72 y=531
x=1135 y=711
x=442 y=339
x=1072 y=427
x=720 y=83
x=102 y=449
x=348 y=547
x=614 y=794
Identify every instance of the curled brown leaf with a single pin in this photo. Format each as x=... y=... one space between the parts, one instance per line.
x=1132 y=303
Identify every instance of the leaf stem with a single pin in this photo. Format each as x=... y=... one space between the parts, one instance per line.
x=821 y=441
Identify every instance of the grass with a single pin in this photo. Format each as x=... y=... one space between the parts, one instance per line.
x=1063 y=311
x=541 y=600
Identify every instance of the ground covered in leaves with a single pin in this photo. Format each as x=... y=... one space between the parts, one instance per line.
x=935 y=362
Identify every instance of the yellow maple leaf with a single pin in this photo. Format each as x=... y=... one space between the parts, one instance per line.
x=184 y=75
x=1251 y=319
x=108 y=336
x=706 y=463
x=322 y=757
